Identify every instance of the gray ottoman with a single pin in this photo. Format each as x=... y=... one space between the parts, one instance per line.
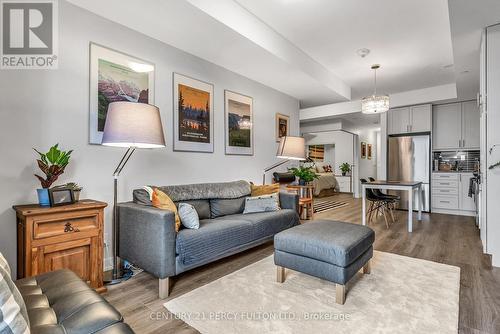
x=330 y=250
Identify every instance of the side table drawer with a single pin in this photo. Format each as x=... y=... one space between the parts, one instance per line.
x=50 y=226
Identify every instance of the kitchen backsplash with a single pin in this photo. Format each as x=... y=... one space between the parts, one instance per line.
x=460 y=161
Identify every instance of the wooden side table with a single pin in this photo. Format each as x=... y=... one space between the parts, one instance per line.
x=306 y=201
x=63 y=237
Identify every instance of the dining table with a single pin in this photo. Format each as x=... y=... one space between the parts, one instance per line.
x=410 y=186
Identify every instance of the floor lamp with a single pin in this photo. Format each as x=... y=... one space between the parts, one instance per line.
x=131 y=125
x=290 y=148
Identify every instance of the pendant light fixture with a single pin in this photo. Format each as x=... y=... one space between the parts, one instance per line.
x=375 y=104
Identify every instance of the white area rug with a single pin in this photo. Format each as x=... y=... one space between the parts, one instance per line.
x=401 y=295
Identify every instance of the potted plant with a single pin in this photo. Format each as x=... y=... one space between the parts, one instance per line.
x=345 y=168
x=52 y=164
x=305 y=174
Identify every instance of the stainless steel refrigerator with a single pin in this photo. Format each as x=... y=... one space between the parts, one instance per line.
x=409 y=159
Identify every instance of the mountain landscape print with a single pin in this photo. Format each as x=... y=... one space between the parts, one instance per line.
x=119 y=83
x=239 y=124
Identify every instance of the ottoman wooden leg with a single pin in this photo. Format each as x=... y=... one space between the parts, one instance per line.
x=367 y=268
x=340 y=294
x=280 y=274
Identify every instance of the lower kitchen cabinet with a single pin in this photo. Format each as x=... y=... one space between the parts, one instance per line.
x=450 y=194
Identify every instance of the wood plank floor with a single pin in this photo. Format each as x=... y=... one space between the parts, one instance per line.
x=447 y=239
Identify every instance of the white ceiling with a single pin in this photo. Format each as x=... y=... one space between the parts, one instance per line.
x=307 y=48
x=410 y=39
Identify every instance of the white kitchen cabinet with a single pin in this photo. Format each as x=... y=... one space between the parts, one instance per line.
x=398 y=121
x=409 y=119
x=466 y=203
x=450 y=194
x=455 y=126
x=470 y=125
x=446 y=126
x=421 y=118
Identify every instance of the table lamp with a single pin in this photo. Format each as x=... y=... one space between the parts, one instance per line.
x=290 y=148
x=131 y=125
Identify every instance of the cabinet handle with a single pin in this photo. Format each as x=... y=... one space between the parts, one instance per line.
x=445 y=191
x=446 y=183
x=444 y=201
x=69 y=228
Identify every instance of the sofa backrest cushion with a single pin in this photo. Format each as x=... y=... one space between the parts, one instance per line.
x=202 y=207
x=13 y=313
x=223 y=190
x=224 y=207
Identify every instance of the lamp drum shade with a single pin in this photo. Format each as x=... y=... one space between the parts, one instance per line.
x=130 y=124
x=292 y=148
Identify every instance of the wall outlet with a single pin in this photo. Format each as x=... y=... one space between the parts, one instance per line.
x=106 y=238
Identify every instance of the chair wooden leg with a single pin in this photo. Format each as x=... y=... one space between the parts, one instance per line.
x=392 y=214
x=385 y=217
x=340 y=294
x=367 y=268
x=164 y=287
x=280 y=274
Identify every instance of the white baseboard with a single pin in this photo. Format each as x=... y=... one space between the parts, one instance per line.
x=454 y=212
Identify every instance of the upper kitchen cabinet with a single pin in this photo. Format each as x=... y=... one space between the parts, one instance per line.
x=446 y=126
x=455 y=126
x=409 y=119
x=470 y=125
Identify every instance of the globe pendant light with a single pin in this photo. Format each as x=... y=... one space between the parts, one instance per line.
x=375 y=104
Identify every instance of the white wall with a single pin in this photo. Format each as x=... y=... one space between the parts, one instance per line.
x=368 y=167
x=342 y=140
x=493 y=138
x=39 y=108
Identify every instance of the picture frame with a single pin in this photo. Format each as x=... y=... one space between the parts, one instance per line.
x=116 y=76
x=369 y=151
x=59 y=196
x=238 y=124
x=363 y=150
x=193 y=115
x=282 y=126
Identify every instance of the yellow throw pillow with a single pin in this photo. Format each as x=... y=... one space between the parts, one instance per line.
x=162 y=201
x=266 y=189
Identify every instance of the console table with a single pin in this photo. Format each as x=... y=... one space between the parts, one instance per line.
x=62 y=237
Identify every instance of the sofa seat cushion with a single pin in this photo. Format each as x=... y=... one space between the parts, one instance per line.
x=214 y=237
x=72 y=304
x=329 y=241
x=265 y=224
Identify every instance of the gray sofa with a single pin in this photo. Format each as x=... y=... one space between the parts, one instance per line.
x=147 y=236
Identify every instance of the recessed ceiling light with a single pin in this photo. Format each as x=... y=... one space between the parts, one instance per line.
x=465 y=72
x=448 y=66
x=363 y=52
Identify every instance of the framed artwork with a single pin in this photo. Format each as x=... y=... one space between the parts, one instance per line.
x=238 y=123
x=115 y=76
x=363 y=150
x=317 y=152
x=193 y=115
x=282 y=126
x=369 y=151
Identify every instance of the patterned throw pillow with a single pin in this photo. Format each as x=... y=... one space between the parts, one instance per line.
x=13 y=314
x=189 y=216
x=4 y=264
x=262 y=203
x=266 y=189
x=161 y=200
x=327 y=168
